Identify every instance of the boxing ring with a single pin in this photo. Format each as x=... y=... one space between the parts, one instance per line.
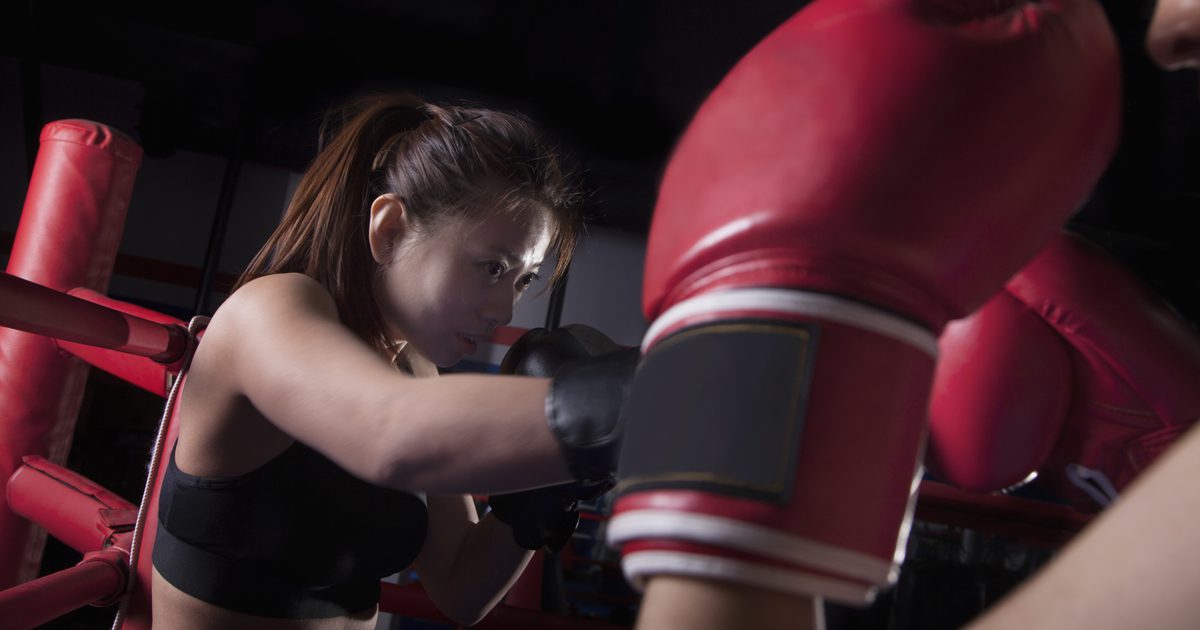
x=55 y=321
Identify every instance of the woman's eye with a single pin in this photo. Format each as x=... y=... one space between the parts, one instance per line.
x=494 y=269
x=526 y=280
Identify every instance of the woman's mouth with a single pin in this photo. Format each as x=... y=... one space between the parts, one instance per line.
x=470 y=341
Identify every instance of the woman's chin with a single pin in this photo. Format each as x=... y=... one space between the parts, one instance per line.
x=448 y=359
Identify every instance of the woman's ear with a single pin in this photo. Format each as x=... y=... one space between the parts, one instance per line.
x=389 y=223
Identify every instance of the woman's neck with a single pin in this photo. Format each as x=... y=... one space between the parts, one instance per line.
x=411 y=362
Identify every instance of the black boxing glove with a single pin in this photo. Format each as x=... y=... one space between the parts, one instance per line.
x=545 y=517
x=590 y=375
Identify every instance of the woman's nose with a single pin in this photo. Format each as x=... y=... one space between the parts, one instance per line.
x=499 y=307
x=1174 y=38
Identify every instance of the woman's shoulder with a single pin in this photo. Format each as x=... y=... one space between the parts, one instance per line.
x=279 y=291
x=279 y=284
x=276 y=298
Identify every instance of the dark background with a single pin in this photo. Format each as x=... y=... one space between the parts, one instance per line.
x=615 y=82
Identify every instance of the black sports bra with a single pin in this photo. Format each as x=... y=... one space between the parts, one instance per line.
x=298 y=537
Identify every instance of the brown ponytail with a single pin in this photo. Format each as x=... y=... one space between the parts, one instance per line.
x=445 y=162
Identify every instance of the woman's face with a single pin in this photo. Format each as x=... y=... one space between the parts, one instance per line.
x=1174 y=37
x=447 y=289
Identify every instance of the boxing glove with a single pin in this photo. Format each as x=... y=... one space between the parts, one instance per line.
x=591 y=374
x=869 y=171
x=544 y=517
x=590 y=377
x=1076 y=374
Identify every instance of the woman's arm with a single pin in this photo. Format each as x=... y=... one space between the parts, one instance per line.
x=291 y=357
x=698 y=604
x=467 y=564
x=1134 y=567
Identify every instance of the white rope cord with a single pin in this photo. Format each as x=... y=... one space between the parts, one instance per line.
x=194 y=327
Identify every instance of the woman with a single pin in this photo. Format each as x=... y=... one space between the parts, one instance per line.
x=310 y=418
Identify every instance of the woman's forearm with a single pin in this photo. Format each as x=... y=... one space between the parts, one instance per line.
x=469 y=434
x=1133 y=568
x=485 y=568
x=673 y=602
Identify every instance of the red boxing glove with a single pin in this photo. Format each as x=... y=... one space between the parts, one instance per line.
x=871 y=170
x=1076 y=371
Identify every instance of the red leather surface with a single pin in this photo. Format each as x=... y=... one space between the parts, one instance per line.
x=68 y=235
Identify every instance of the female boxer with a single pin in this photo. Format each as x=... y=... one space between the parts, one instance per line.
x=311 y=423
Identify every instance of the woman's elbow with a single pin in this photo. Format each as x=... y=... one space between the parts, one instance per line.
x=460 y=605
x=391 y=468
x=469 y=613
x=378 y=457
x=402 y=462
